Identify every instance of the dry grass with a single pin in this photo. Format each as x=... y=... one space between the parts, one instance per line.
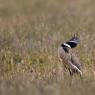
x=30 y=33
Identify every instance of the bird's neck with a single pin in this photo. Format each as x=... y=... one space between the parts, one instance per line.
x=66 y=49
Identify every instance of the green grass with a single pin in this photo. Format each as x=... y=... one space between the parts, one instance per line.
x=30 y=33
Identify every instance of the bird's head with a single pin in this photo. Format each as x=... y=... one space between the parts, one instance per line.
x=72 y=43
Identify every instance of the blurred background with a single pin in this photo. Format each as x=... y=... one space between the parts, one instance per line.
x=30 y=33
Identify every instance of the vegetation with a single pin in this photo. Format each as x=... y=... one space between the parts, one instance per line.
x=30 y=33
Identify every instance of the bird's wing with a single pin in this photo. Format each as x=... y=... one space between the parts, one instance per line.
x=75 y=61
x=74 y=67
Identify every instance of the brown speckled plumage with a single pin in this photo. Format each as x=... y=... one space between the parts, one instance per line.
x=69 y=59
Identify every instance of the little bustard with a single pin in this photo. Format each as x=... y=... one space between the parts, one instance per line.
x=68 y=58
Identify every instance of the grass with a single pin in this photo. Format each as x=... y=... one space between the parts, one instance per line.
x=30 y=33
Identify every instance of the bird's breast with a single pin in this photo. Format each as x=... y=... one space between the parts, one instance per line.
x=63 y=55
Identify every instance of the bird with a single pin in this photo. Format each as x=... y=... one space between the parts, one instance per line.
x=68 y=58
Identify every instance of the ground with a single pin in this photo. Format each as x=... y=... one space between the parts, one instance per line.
x=30 y=33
